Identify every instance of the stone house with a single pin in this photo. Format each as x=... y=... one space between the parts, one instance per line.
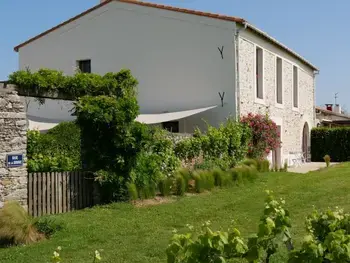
x=191 y=66
x=331 y=116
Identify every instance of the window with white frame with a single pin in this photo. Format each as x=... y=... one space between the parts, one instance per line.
x=259 y=73
x=295 y=87
x=279 y=96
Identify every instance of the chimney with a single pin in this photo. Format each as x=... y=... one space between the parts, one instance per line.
x=337 y=108
x=329 y=107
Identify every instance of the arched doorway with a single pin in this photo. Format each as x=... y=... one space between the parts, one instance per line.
x=306 y=141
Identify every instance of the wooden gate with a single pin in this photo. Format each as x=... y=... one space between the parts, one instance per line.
x=59 y=192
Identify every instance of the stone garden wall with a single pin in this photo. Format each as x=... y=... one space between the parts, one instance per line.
x=13 y=141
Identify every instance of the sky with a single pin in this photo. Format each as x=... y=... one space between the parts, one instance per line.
x=315 y=29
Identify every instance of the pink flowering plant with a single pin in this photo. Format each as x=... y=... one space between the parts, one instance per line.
x=265 y=135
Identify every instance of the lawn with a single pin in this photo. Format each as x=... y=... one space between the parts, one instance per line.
x=130 y=234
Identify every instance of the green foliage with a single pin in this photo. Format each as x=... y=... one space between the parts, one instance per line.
x=187 y=176
x=156 y=162
x=165 y=186
x=16 y=226
x=213 y=163
x=251 y=162
x=220 y=147
x=180 y=185
x=133 y=193
x=147 y=191
x=328 y=238
x=222 y=178
x=188 y=149
x=209 y=247
x=243 y=173
x=263 y=165
x=57 y=150
x=285 y=167
x=48 y=225
x=327 y=160
x=265 y=136
x=162 y=146
x=81 y=84
x=204 y=181
x=331 y=141
x=221 y=246
x=146 y=170
x=111 y=139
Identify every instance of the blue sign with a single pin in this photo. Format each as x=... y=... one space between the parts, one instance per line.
x=14 y=160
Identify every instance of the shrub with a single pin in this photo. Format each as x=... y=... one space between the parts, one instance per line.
x=237 y=175
x=251 y=162
x=106 y=110
x=220 y=147
x=165 y=186
x=265 y=136
x=328 y=238
x=146 y=170
x=332 y=141
x=263 y=165
x=327 y=159
x=16 y=226
x=147 y=191
x=133 y=193
x=188 y=149
x=187 y=176
x=285 y=167
x=228 y=246
x=48 y=225
x=204 y=181
x=222 y=178
x=213 y=163
x=180 y=185
x=57 y=150
x=243 y=173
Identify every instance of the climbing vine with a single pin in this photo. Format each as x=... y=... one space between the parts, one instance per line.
x=52 y=82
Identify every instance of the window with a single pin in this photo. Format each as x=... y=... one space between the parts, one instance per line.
x=84 y=66
x=295 y=87
x=171 y=126
x=279 y=80
x=259 y=73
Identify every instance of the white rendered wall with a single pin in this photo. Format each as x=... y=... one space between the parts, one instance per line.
x=174 y=56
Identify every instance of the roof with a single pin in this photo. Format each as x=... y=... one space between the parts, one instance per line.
x=332 y=112
x=174 y=9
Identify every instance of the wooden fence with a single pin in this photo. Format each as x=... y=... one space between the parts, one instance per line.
x=55 y=193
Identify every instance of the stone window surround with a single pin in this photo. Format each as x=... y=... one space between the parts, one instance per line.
x=279 y=105
x=298 y=99
x=293 y=64
x=258 y=100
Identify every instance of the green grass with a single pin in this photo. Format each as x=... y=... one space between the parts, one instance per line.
x=129 y=234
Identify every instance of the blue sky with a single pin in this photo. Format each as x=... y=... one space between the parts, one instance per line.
x=316 y=29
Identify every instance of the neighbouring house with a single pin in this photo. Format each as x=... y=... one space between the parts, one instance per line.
x=191 y=66
x=331 y=116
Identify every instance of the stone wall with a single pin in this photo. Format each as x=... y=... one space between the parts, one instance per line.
x=13 y=140
x=291 y=120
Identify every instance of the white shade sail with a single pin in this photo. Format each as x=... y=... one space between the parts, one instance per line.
x=41 y=124
x=170 y=116
x=44 y=124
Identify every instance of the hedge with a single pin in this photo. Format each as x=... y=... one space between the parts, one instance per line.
x=332 y=141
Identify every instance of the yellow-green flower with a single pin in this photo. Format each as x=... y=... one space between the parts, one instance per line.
x=97 y=255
